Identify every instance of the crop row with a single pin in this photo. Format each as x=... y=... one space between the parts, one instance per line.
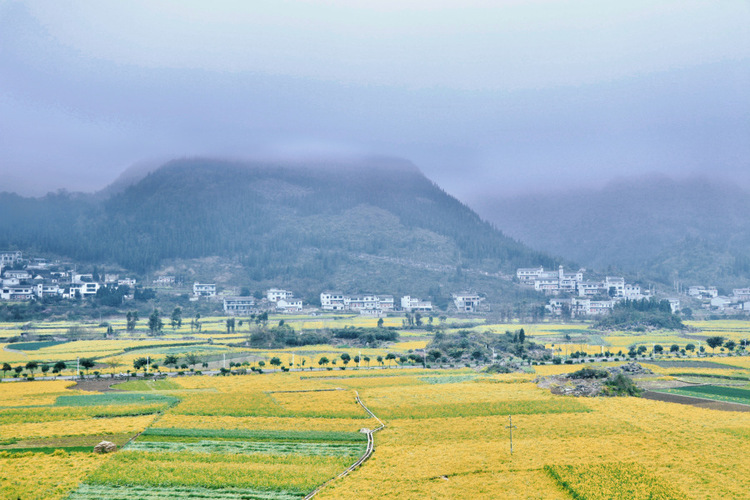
x=248 y=447
x=256 y=434
x=105 y=492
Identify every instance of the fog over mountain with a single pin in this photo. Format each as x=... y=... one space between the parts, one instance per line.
x=486 y=98
x=694 y=230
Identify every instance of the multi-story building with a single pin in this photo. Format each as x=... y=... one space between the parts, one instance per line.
x=204 y=289
x=239 y=306
x=275 y=294
x=414 y=304
x=332 y=301
x=466 y=302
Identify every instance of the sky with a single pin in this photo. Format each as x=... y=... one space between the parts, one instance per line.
x=487 y=98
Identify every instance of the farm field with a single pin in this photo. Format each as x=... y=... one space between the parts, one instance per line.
x=279 y=436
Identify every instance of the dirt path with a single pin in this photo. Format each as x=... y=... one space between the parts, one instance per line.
x=699 y=402
x=363 y=458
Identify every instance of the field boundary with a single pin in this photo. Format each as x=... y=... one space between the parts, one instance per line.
x=368 y=452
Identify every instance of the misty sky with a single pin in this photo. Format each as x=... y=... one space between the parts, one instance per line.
x=484 y=96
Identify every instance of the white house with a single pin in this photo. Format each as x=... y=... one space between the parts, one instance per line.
x=239 y=306
x=741 y=294
x=275 y=294
x=414 y=304
x=17 y=292
x=466 y=302
x=83 y=289
x=632 y=292
x=289 y=305
x=615 y=286
x=9 y=257
x=204 y=289
x=529 y=274
x=332 y=301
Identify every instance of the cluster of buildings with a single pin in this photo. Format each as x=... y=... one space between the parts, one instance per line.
x=37 y=278
x=558 y=282
x=710 y=299
x=582 y=297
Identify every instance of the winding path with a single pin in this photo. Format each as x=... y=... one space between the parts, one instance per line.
x=363 y=458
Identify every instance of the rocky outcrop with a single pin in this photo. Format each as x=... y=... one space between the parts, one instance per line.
x=105 y=447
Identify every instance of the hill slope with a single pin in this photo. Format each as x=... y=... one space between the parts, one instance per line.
x=374 y=225
x=693 y=230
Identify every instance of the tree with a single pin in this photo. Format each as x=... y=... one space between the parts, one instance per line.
x=139 y=363
x=380 y=360
x=155 y=324
x=418 y=319
x=18 y=369
x=730 y=345
x=390 y=356
x=658 y=349
x=690 y=347
x=87 y=364
x=642 y=350
x=31 y=366
x=366 y=359
x=59 y=367
x=230 y=325
x=674 y=348
x=130 y=319
x=176 y=318
x=521 y=336
x=275 y=361
x=356 y=360
x=345 y=357
x=6 y=368
x=380 y=322
x=323 y=361
x=171 y=359
x=714 y=342
x=45 y=369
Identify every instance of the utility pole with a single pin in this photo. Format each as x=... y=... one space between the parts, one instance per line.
x=510 y=427
x=78 y=367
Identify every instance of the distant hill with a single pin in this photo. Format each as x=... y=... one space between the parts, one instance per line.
x=373 y=225
x=696 y=231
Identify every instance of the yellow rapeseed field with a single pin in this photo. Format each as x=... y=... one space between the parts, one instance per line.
x=38 y=476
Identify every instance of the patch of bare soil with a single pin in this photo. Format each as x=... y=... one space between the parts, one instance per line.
x=96 y=384
x=699 y=402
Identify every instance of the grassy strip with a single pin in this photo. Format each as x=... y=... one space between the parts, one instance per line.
x=103 y=492
x=35 y=346
x=249 y=447
x=258 y=435
x=114 y=398
x=718 y=393
x=481 y=409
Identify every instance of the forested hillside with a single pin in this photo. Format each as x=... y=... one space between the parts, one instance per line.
x=345 y=225
x=695 y=231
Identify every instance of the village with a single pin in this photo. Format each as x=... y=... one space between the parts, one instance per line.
x=574 y=296
x=571 y=294
x=37 y=279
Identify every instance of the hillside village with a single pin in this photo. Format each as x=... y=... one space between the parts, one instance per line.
x=574 y=296
x=37 y=279
x=571 y=294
